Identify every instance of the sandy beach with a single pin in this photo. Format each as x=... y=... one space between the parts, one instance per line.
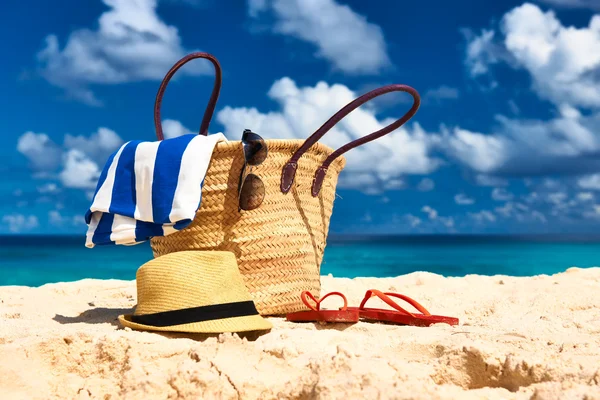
x=518 y=338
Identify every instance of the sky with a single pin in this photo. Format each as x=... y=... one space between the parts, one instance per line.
x=507 y=138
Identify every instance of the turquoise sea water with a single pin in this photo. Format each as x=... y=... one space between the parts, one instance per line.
x=33 y=261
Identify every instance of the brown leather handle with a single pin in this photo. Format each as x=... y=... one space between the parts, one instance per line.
x=289 y=170
x=210 y=108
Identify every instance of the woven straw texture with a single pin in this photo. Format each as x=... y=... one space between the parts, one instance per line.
x=193 y=279
x=279 y=246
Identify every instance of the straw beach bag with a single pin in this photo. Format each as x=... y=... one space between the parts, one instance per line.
x=279 y=245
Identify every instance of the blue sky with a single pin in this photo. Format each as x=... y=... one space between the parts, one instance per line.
x=507 y=139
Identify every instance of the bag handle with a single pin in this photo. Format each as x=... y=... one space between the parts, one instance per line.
x=289 y=170
x=210 y=107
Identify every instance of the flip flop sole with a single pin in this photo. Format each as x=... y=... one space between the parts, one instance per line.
x=343 y=316
x=394 y=317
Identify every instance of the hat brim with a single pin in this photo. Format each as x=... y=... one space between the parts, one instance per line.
x=236 y=324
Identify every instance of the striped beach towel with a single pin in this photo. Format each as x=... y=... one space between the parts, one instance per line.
x=149 y=189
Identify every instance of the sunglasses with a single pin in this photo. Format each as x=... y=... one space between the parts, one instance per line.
x=251 y=190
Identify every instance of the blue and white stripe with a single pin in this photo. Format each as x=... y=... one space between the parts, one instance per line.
x=149 y=189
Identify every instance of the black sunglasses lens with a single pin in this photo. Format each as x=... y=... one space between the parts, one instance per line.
x=252 y=192
x=255 y=148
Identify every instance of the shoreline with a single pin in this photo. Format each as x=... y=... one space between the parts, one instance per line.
x=518 y=338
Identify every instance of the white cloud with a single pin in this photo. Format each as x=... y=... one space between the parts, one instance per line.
x=483 y=153
x=43 y=154
x=563 y=61
x=483 y=51
x=500 y=194
x=78 y=160
x=57 y=219
x=487 y=180
x=79 y=171
x=448 y=222
x=520 y=212
x=431 y=213
x=413 y=221
x=557 y=197
x=394 y=184
x=173 y=128
x=130 y=44
x=378 y=164
x=440 y=94
x=483 y=216
x=565 y=144
x=98 y=146
x=564 y=65
x=589 y=182
x=426 y=185
x=20 y=223
x=48 y=188
x=463 y=200
x=434 y=222
x=585 y=196
x=591 y=4
x=343 y=37
x=507 y=210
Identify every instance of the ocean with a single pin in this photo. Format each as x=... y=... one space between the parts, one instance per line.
x=35 y=260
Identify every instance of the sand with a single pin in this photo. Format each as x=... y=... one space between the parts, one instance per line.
x=518 y=338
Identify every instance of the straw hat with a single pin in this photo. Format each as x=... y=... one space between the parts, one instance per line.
x=193 y=291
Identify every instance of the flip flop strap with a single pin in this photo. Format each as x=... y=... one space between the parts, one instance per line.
x=308 y=295
x=386 y=299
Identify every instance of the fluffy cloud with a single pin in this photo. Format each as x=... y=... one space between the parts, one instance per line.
x=431 y=213
x=486 y=180
x=585 y=196
x=79 y=172
x=483 y=153
x=482 y=51
x=463 y=200
x=590 y=182
x=98 y=146
x=440 y=94
x=438 y=220
x=342 y=37
x=565 y=144
x=48 y=188
x=131 y=44
x=57 y=219
x=173 y=128
x=378 y=164
x=482 y=216
x=413 y=220
x=564 y=62
x=43 y=154
x=426 y=185
x=448 y=222
x=20 y=223
x=500 y=194
x=564 y=65
x=76 y=164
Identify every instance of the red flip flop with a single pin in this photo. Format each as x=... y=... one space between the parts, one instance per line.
x=315 y=314
x=399 y=315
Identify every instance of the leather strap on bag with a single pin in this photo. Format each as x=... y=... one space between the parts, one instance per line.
x=289 y=170
x=210 y=108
